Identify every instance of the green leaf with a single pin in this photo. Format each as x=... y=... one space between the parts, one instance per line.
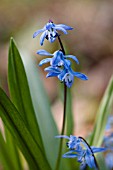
x=102 y=115
x=41 y=105
x=19 y=91
x=15 y=123
x=13 y=151
x=5 y=156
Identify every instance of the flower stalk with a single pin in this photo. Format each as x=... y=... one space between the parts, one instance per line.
x=64 y=115
x=63 y=129
x=60 y=67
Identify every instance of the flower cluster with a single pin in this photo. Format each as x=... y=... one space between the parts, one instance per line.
x=80 y=149
x=60 y=65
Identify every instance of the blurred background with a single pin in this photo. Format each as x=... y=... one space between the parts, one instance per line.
x=91 y=41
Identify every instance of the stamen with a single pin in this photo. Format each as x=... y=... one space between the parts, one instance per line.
x=50 y=21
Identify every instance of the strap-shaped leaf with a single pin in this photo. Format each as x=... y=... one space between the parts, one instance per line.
x=41 y=105
x=14 y=122
x=19 y=91
x=102 y=115
x=9 y=152
x=5 y=156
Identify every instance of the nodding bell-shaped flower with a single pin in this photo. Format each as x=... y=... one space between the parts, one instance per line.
x=65 y=74
x=80 y=149
x=73 y=142
x=49 y=31
x=58 y=58
x=60 y=67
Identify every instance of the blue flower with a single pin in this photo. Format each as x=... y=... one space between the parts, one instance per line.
x=87 y=156
x=79 y=149
x=109 y=124
x=65 y=74
x=60 y=67
x=108 y=142
x=58 y=58
x=49 y=31
x=109 y=160
x=73 y=141
x=84 y=157
x=108 y=138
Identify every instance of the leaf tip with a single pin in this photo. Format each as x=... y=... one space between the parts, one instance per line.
x=11 y=40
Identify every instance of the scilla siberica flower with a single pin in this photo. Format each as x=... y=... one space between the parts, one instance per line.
x=79 y=149
x=65 y=74
x=49 y=31
x=109 y=160
x=57 y=58
x=108 y=142
x=61 y=67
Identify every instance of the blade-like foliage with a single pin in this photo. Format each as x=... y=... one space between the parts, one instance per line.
x=19 y=91
x=102 y=115
x=5 y=156
x=22 y=137
x=13 y=150
x=41 y=105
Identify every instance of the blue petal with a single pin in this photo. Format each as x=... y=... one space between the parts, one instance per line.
x=50 y=25
x=69 y=83
x=53 y=69
x=83 y=166
x=67 y=64
x=42 y=37
x=57 y=59
x=109 y=160
x=62 y=136
x=52 y=74
x=73 y=57
x=67 y=77
x=51 y=39
x=44 y=52
x=44 y=61
x=66 y=27
x=95 y=150
x=61 y=75
x=90 y=161
x=70 y=154
x=61 y=29
x=38 y=32
x=79 y=75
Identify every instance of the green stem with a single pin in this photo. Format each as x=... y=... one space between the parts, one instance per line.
x=63 y=129
x=61 y=45
x=64 y=116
